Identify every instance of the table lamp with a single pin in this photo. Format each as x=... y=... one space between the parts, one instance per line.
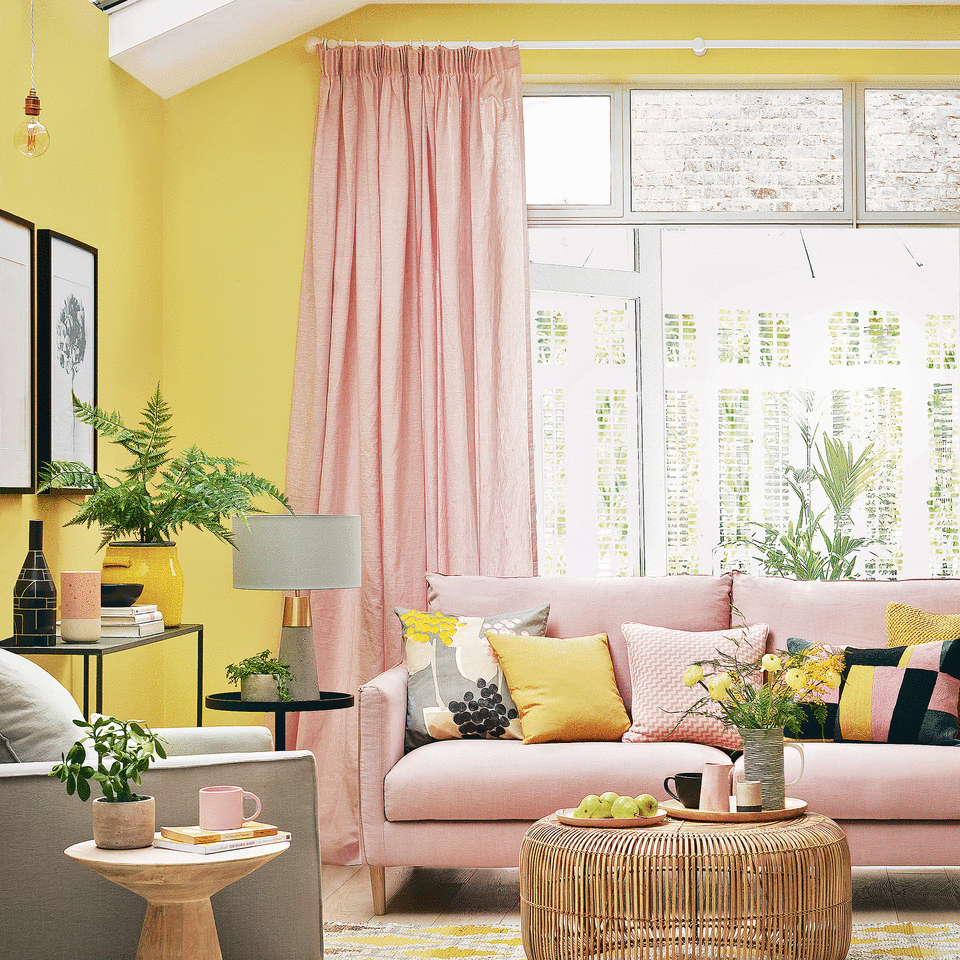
x=297 y=552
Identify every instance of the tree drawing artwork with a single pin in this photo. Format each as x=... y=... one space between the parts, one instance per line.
x=71 y=341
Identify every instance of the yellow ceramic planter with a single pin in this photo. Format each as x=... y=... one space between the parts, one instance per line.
x=156 y=566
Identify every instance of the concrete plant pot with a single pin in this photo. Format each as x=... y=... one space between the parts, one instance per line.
x=124 y=826
x=260 y=686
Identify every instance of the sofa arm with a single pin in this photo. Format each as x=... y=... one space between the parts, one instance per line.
x=196 y=741
x=275 y=912
x=382 y=715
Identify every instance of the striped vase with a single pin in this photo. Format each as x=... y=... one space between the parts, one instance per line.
x=763 y=761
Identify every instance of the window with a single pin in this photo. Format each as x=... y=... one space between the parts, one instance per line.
x=713 y=331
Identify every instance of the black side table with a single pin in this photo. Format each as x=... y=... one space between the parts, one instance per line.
x=279 y=708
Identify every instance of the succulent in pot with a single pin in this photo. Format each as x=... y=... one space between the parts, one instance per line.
x=124 y=750
x=142 y=509
x=261 y=677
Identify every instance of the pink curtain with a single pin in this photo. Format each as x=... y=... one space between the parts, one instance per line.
x=411 y=399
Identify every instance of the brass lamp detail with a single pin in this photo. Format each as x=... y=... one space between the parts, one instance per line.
x=296 y=611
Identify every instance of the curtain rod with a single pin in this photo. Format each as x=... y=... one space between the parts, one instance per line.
x=698 y=45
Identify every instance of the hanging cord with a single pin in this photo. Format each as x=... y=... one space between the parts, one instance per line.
x=33 y=50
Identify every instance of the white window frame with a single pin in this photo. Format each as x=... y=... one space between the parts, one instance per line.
x=651 y=469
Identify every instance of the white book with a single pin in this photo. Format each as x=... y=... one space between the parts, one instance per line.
x=131 y=629
x=158 y=841
x=128 y=611
x=147 y=617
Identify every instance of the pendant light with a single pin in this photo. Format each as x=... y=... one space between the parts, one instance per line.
x=31 y=137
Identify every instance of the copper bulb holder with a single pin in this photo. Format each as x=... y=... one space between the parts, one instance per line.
x=31 y=105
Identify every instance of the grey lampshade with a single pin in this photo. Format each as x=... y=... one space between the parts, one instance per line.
x=296 y=552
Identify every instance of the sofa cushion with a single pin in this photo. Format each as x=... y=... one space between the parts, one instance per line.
x=581 y=606
x=508 y=780
x=36 y=712
x=845 y=612
x=456 y=687
x=658 y=658
x=564 y=689
x=904 y=694
x=906 y=624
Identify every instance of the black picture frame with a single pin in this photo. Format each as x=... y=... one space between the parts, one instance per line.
x=18 y=357
x=67 y=277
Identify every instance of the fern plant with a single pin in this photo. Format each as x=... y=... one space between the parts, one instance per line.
x=157 y=494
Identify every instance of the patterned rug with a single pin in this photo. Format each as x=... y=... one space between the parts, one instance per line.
x=402 y=941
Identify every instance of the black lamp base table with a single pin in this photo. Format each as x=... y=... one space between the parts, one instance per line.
x=279 y=708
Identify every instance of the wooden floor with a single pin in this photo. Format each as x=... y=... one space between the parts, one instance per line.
x=426 y=896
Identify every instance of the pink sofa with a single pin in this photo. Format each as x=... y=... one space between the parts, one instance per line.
x=468 y=803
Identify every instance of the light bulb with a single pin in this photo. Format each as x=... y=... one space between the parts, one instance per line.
x=31 y=137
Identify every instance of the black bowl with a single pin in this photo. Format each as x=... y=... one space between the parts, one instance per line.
x=119 y=594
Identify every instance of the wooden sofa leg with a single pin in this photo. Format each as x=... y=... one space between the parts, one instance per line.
x=378 y=886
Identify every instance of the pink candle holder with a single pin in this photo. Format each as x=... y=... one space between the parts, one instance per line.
x=80 y=606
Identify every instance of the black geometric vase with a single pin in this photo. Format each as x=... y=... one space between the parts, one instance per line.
x=35 y=597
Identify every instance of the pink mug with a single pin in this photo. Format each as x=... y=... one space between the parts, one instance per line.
x=221 y=808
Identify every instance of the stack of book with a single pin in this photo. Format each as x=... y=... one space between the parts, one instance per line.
x=196 y=840
x=140 y=620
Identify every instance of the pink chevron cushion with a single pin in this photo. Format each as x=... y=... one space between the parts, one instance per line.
x=658 y=658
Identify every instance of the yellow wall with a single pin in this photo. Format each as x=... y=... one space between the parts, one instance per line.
x=100 y=182
x=198 y=207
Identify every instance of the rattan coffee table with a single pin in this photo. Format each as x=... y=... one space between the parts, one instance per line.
x=685 y=890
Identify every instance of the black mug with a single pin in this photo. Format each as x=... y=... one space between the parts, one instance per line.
x=688 y=789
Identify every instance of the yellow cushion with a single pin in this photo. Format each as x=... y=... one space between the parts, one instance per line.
x=565 y=690
x=908 y=625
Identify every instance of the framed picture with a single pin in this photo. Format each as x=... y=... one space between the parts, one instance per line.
x=17 y=424
x=66 y=347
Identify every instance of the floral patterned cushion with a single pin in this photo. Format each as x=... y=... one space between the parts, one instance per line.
x=455 y=688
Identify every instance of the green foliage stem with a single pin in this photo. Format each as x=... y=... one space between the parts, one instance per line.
x=124 y=751
x=157 y=494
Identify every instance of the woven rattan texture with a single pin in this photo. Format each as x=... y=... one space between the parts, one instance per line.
x=686 y=891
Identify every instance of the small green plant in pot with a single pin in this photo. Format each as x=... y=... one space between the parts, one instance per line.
x=124 y=750
x=261 y=677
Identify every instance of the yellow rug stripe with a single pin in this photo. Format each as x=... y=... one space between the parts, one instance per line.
x=404 y=941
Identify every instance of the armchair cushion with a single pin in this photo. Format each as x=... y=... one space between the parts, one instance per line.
x=36 y=712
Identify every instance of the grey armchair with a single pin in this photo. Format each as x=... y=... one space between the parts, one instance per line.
x=51 y=906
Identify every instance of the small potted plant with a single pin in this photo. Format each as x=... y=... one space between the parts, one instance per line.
x=261 y=677
x=122 y=819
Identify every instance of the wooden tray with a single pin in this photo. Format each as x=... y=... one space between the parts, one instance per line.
x=792 y=808
x=567 y=817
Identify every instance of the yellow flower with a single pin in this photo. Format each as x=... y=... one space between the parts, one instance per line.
x=832 y=679
x=795 y=679
x=771 y=663
x=692 y=675
x=719 y=685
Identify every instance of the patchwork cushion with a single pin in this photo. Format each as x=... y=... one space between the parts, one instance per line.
x=36 y=712
x=904 y=694
x=565 y=690
x=658 y=658
x=456 y=688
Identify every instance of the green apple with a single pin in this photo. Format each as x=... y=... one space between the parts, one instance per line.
x=648 y=805
x=589 y=808
x=607 y=800
x=624 y=807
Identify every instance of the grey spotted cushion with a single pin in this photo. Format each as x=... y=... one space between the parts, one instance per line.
x=456 y=688
x=36 y=712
